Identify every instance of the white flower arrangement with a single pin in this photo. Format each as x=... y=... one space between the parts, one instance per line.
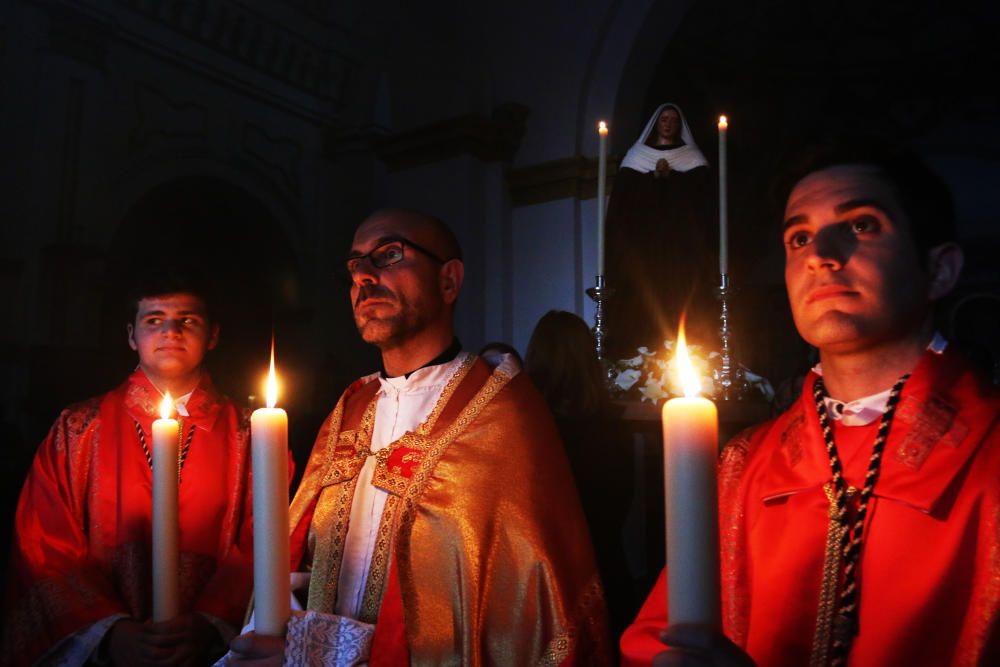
x=655 y=376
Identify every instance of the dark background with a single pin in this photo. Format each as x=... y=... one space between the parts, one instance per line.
x=253 y=137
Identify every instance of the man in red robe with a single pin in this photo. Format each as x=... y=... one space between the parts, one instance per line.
x=80 y=584
x=437 y=514
x=862 y=526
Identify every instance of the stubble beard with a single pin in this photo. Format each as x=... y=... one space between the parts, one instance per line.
x=390 y=331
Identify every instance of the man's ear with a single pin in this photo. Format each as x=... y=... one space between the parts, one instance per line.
x=131 y=337
x=450 y=277
x=945 y=264
x=213 y=337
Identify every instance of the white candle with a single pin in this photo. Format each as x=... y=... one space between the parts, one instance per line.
x=602 y=171
x=690 y=439
x=723 y=199
x=269 y=445
x=166 y=551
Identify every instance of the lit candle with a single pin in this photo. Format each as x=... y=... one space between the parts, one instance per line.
x=166 y=552
x=690 y=438
x=723 y=199
x=602 y=171
x=269 y=445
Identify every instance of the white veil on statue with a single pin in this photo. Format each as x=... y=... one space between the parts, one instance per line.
x=643 y=158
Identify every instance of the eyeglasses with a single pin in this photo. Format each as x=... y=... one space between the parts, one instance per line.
x=386 y=254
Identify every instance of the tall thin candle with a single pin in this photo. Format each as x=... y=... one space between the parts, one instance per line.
x=690 y=440
x=602 y=173
x=723 y=199
x=269 y=448
x=166 y=549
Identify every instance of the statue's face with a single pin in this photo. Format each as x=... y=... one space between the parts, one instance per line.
x=668 y=126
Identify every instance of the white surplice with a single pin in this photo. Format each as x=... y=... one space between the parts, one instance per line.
x=403 y=404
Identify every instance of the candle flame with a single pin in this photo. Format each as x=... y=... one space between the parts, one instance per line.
x=166 y=406
x=690 y=382
x=602 y=128
x=723 y=122
x=272 y=381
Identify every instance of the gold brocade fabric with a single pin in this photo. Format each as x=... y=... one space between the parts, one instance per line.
x=490 y=545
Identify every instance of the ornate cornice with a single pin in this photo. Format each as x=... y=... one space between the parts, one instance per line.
x=229 y=28
x=574 y=177
x=490 y=139
x=219 y=39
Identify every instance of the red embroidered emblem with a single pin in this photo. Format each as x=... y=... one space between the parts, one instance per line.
x=404 y=461
x=396 y=467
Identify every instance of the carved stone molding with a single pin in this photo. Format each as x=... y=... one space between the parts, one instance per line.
x=160 y=117
x=490 y=139
x=574 y=177
x=229 y=28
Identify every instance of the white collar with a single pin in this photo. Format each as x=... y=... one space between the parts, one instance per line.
x=422 y=379
x=180 y=404
x=865 y=410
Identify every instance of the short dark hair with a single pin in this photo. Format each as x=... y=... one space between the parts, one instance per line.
x=170 y=279
x=923 y=195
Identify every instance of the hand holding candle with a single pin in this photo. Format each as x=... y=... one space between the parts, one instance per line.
x=690 y=440
x=723 y=199
x=166 y=550
x=269 y=444
x=602 y=172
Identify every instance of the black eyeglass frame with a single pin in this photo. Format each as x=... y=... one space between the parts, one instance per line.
x=345 y=266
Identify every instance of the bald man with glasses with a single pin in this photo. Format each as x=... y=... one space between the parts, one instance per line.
x=437 y=515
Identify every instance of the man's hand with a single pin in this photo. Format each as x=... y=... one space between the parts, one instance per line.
x=662 y=168
x=692 y=645
x=180 y=642
x=253 y=650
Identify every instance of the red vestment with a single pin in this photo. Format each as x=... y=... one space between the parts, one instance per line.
x=81 y=547
x=485 y=557
x=929 y=572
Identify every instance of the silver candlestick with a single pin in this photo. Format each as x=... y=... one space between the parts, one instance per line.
x=730 y=374
x=599 y=294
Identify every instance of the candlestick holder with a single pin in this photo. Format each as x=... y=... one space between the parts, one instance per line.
x=729 y=375
x=600 y=293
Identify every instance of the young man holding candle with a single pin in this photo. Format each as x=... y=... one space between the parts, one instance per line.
x=437 y=514
x=81 y=580
x=863 y=525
